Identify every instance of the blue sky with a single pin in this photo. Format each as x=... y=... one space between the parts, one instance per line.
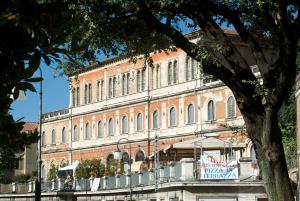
x=55 y=96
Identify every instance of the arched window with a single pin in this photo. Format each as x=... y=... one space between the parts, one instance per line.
x=102 y=90
x=114 y=87
x=175 y=72
x=98 y=91
x=193 y=66
x=128 y=83
x=90 y=93
x=124 y=84
x=85 y=94
x=88 y=134
x=152 y=78
x=76 y=137
x=172 y=117
x=78 y=96
x=112 y=164
x=63 y=163
x=143 y=79
x=100 y=129
x=73 y=97
x=187 y=69
x=138 y=81
x=125 y=157
x=63 y=135
x=110 y=127
x=155 y=120
x=191 y=118
x=139 y=122
x=157 y=76
x=53 y=137
x=211 y=111
x=170 y=73
x=124 y=125
x=110 y=88
x=43 y=139
x=140 y=156
x=230 y=107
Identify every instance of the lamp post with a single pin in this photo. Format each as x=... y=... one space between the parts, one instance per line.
x=39 y=151
x=118 y=156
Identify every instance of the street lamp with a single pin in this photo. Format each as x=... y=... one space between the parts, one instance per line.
x=39 y=151
x=118 y=156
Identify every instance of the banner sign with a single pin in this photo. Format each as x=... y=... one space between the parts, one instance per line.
x=212 y=168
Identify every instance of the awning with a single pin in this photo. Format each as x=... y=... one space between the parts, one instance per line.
x=70 y=167
x=207 y=143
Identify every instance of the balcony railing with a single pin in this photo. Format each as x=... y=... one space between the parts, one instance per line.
x=176 y=172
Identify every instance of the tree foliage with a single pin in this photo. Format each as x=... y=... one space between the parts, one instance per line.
x=52 y=172
x=32 y=31
x=88 y=168
x=269 y=30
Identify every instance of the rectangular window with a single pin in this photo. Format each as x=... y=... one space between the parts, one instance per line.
x=90 y=93
x=73 y=97
x=98 y=90
x=152 y=78
x=78 y=96
x=85 y=94
x=157 y=76
x=128 y=84
x=170 y=73
x=143 y=79
x=102 y=90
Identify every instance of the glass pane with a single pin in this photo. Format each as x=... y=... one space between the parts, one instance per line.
x=211 y=111
x=191 y=114
x=230 y=107
x=63 y=135
x=155 y=119
x=139 y=122
x=111 y=127
x=124 y=125
x=172 y=116
x=100 y=132
x=53 y=137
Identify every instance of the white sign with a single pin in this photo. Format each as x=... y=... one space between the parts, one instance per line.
x=214 y=169
x=95 y=185
x=217 y=199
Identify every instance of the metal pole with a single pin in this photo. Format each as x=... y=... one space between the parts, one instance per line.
x=39 y=151
x=130 y=187
x=130 y=174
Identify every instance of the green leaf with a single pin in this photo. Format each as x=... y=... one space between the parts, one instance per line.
x=46 y=59
x=34 y=64
x=26 y=86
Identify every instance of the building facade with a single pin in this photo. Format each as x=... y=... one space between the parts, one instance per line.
x=116 y=99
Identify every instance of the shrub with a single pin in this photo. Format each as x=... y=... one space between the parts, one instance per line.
x=87 y=168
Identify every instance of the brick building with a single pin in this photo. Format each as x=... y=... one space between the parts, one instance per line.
x=115 y=98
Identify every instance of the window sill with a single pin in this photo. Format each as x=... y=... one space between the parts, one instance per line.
x=231 y=118
x=211 y=121
x=175 y=126
x=191 y=123
x=154 y=129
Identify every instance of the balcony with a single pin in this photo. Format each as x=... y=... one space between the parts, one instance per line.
x=172 y=175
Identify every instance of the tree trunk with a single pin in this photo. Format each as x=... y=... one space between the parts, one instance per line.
x=266 y=137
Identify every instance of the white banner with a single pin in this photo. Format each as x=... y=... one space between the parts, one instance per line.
x=214 y=169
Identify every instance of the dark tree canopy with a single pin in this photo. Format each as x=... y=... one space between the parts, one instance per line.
x=268 y=29
x=30 y=31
